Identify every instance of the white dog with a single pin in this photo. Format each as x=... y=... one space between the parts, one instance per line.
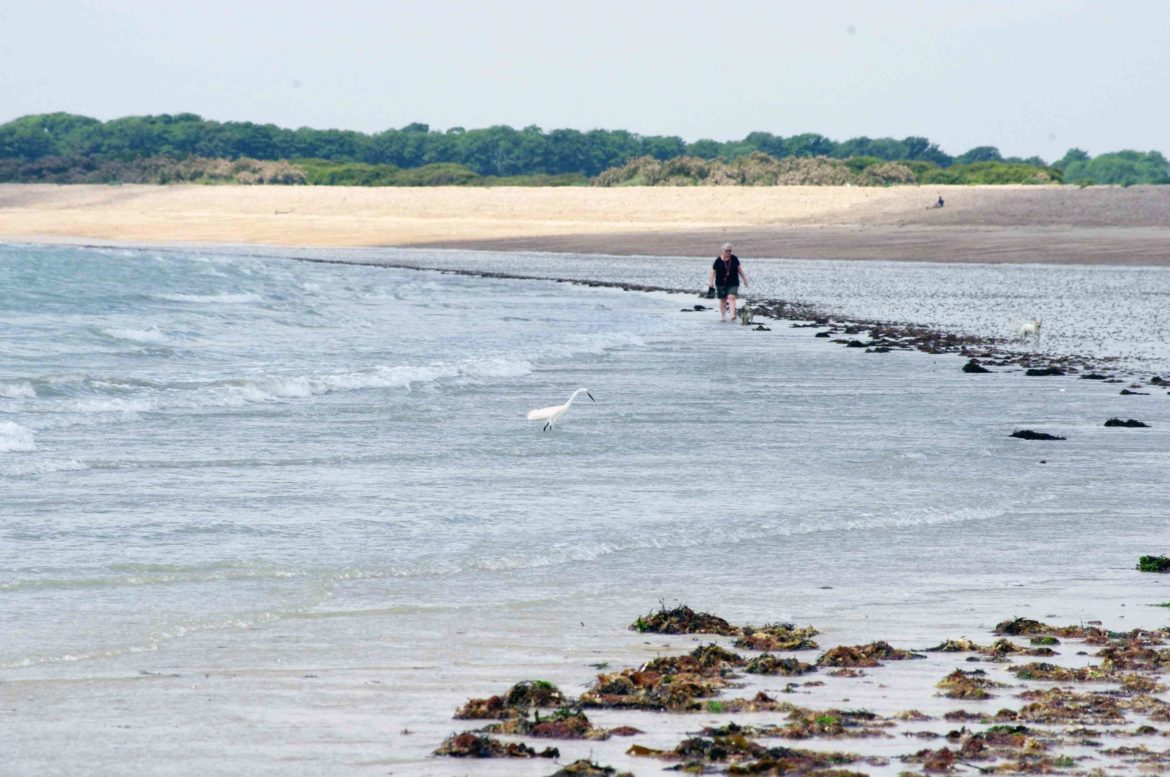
x=745 y=315
x=1030 y=331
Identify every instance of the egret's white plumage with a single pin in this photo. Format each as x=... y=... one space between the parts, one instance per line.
x=1030 y=331
x=550 y=415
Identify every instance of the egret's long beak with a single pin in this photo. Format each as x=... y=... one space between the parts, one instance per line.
x=590 y=396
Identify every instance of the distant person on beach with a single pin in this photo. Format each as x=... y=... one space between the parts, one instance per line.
x=940 y=202
x=725 y=276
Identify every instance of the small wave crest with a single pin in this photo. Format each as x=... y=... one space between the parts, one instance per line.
x=42 y=467
x=19 y=389
x=16 y=438
x=275 y=387
x=151 y=336
x=569 y=552
x=226 y=298
x=142 y=575
x=152 y=641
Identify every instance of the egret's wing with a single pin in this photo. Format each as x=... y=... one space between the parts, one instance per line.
x=543 y=413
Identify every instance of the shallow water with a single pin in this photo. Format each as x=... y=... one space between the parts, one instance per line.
x=1104 y=312
x=266 y=516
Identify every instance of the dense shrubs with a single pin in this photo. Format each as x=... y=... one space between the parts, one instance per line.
x=155 y=170
x=758 y=169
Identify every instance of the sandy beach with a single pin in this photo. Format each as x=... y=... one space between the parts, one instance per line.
x=1015 y=224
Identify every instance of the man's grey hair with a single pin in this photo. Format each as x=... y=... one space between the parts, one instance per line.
x=727 y=246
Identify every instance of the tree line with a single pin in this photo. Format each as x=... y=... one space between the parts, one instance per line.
x=63 y=141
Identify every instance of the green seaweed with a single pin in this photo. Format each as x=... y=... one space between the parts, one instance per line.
x=1154 y=564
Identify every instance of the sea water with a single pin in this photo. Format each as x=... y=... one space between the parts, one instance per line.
x=267 y=516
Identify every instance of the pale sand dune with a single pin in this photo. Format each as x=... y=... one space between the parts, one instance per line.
x=1010 y=223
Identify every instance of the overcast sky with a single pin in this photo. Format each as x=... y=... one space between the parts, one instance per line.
x=1031 y=77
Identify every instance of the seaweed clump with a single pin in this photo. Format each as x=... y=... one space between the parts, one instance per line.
x=864 y=655
x=770 y=664
x=586 y=768
x=807 y=723
x=961 y=645
x=668 y=683
x=515 y=703
x=996 y=650
x=1060 y=705
x=472 y=745
x=1135 y=655
x=1015 y=749
x=1154 y=564
x=683 y=620
x=967 y=685
x=565 y=723
x=777 y=636
x=832 y=723
x=1062 y=674
x=1026 y=627
x=746 y=756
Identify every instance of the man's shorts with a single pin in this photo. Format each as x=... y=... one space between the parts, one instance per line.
x=724 y=291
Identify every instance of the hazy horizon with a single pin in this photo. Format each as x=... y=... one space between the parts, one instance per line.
x=1031 y=79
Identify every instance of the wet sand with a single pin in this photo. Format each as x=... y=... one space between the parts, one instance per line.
x=1098 y=225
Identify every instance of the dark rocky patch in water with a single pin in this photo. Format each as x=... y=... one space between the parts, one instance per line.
x=975 y=367
x=1028 y=434
x=1130 y=423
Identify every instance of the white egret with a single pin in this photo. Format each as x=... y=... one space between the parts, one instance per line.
x=550 y=415
x=1030 y=331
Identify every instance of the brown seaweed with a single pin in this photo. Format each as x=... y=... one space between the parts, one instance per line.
x=472 y=745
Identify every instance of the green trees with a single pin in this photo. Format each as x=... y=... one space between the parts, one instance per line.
x=979 y=154
x=1123 y=168
x=62 y=146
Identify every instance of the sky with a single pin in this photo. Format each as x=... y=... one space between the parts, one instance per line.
x=1030 y=77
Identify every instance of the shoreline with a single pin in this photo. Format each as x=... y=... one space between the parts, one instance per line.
x=844 y=328
x=1121 y=246
x=981 y=351
x=985 y=224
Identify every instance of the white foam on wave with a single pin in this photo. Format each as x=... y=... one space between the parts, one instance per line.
x=20 y=389
x=269 y=388
x=154 y=640
x=602 y=342
x=240 y=392
x=42 y=467
x=754 y=532
x=574 y=551
x=109 y=405
x=16 y=438
x=223 y=297
x=145 y=575
x=151 y=336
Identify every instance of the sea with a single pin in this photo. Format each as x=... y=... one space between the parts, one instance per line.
x=280 y=511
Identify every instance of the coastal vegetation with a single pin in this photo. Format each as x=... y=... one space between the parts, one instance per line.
x=67 y=148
